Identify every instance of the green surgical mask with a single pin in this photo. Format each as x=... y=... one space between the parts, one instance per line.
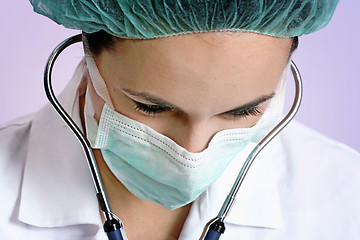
x=154 y=168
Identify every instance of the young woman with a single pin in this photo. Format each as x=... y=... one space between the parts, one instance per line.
x=172 y=97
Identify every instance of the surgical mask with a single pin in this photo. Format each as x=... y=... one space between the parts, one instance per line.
x=155 y=168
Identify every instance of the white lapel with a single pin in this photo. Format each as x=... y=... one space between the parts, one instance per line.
x=257 y=203
x=57 y=188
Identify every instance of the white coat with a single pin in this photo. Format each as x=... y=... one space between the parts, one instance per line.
x=302 y=186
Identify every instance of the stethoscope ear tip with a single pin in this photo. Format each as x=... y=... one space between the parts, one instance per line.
x=215 y=230
x=113 y=228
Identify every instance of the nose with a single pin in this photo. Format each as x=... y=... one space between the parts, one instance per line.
x=194 y=136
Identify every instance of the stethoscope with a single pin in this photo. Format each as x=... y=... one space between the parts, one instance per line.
x=113 y=225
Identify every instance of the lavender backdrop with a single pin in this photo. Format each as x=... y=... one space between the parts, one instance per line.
x=328 y=60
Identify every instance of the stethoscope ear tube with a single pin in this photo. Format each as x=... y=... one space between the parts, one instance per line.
x=217 y=227
x=113 y=226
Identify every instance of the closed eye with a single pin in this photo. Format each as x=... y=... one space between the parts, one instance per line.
x=150 y=109
x=250 y=109
x=244 y=113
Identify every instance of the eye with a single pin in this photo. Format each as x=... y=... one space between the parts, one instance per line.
x=244 y=113
x=150 y=109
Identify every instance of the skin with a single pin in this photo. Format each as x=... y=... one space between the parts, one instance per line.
x=202 y=76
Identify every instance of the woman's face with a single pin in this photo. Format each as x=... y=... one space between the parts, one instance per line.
x=189 y=87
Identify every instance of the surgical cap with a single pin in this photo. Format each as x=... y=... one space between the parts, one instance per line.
x=143 y=19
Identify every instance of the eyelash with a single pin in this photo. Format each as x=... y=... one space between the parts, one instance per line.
x=253 y=111
x=149 y=110
x=155 y=110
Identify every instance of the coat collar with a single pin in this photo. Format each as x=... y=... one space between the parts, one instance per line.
x=257 y=203
x=57 y=188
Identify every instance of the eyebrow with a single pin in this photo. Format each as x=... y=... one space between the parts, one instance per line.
x=251 y=104
x=162 y=103
x=154 y=100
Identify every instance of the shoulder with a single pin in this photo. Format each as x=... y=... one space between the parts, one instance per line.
x=307 y=152
x=302 y=141
x=14 y=140
x=14 y=137
x=318 y=179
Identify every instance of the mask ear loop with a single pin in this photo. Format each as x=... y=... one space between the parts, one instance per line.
x=112 y=226
x=216 y=226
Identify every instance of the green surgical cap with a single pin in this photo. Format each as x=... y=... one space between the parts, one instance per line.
x=143 y=19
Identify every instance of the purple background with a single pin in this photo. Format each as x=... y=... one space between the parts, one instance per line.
x=328 y=60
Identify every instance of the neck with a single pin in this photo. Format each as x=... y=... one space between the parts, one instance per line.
x=142 y=219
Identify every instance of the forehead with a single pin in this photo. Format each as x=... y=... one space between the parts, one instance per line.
x=205 y=65
x=204 y=45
